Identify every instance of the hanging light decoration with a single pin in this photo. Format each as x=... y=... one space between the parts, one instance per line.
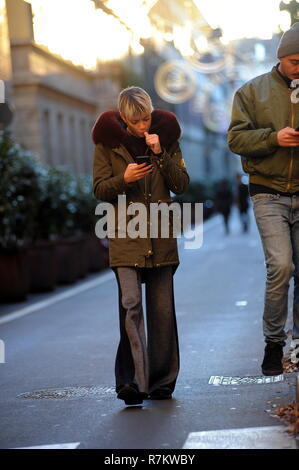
x=206 y=56
x=174 y=82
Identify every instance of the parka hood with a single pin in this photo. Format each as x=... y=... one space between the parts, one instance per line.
x=110 y=130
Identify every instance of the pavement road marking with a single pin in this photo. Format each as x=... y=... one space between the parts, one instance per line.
x=222 y=380
x=268 y=437
x=69 y=445
x=69 y=392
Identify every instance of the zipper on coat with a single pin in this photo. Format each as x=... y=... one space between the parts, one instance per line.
x=147 y=196
x=292 y=150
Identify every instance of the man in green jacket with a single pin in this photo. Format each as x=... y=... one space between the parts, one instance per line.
x=265 y=116
x=143 y=368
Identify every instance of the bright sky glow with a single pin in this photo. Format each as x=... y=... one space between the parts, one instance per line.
x=134 y=14
x=79 y=32
x=244 y=18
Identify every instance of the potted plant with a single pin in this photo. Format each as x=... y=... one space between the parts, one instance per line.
x=57 y=222
x=47 y=222
x=19 y=192
x=95 y=253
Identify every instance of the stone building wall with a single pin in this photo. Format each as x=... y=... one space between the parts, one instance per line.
x=55 y=103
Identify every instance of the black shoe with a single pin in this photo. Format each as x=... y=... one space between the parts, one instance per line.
x=164 y=393
x=272 y=363
x=130 y=394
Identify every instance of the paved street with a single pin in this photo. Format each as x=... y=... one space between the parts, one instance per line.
x=58 y=377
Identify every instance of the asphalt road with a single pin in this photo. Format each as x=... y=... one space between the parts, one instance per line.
x=58 y=377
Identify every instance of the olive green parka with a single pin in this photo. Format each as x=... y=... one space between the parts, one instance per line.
x=111 y=158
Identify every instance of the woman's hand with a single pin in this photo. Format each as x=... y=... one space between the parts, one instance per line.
x=153 y=141
x=135 y=172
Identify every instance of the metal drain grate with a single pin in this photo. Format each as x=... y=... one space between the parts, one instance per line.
x=69 y=392
x=221 y=380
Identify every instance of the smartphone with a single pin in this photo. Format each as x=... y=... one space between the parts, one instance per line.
x=297 y=129
x=143 y=159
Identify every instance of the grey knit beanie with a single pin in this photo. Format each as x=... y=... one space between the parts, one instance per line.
x=289 y=42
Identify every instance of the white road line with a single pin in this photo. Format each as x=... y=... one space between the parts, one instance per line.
x=57 y=298
x=267 y=437
x=69 y=445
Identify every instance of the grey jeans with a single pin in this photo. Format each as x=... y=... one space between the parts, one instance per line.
x=277 y=218
x=151 y=360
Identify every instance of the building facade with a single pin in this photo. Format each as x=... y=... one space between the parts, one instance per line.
x=54 y=102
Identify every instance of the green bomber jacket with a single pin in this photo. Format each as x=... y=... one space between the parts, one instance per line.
x=261 y=108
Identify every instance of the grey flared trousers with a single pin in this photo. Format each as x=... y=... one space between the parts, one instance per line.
x=149 y=359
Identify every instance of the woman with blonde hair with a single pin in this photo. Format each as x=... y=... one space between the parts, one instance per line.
x=144 y=367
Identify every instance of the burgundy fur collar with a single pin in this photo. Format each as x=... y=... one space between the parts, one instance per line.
x=110 y=129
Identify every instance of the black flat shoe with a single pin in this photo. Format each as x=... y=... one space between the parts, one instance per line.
x=161 y=394
x=130 y=394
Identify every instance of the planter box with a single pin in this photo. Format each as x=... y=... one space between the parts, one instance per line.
x=42 y=266
x=14 y=276
x=98 y=254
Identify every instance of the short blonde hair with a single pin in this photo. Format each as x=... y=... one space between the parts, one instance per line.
x=134 y=102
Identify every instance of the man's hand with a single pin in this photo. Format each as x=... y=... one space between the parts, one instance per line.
x=288 y=137
x=135 y=172
x=152 y=140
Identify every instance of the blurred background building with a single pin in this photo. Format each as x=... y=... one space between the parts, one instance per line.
x=65 y=61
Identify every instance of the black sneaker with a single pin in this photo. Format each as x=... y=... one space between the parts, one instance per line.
x=130 y=394
x=164 y=393
x=272 y=363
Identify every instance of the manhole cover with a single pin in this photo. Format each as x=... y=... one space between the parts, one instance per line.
x=69 y=392
x=221 y=380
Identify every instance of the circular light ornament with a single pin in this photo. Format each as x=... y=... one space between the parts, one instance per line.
x=208 y=56
x=175 y=82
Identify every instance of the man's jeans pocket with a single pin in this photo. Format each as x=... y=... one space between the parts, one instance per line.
x=264 y=197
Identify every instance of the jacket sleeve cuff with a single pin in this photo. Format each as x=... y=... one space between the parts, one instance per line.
x=125 y=185
x=272 y=140
x=162 y=159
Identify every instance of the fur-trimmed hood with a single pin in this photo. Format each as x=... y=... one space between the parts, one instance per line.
x=110 y=130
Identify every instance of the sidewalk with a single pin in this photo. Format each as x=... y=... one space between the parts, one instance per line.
x=58 y=378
